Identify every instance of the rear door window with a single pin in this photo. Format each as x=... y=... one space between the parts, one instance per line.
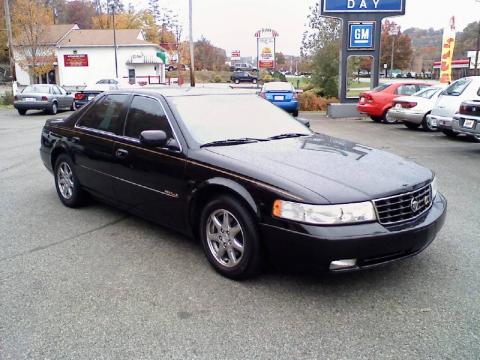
x=406 y=89
x=106 y=115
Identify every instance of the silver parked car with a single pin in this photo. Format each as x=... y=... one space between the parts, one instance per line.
x=467 y=120
x=413 y=110
x=449 y=102
x=47 y=97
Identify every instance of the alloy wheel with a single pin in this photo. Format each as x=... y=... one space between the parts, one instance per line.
x=225 y=238
x=65 y=180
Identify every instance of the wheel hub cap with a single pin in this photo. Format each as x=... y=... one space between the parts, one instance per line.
x=225 y=238
x=65 y=180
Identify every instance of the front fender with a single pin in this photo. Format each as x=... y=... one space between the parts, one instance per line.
x=229 y=185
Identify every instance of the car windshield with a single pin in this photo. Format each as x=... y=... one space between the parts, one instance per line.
x=211 y=118
x=457 y=88
x=39 y=89
x=277 y=86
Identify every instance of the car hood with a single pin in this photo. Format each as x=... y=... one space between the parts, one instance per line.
x=338 y=170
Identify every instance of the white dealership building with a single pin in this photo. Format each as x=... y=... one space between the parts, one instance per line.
x=82 y=57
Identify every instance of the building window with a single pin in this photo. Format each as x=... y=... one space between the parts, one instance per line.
x=75 y=52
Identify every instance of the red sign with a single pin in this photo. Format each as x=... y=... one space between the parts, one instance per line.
x=75 y=60
x=236 y=53
x=266 y=64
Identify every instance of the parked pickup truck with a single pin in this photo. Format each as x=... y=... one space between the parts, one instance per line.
x=467 y=120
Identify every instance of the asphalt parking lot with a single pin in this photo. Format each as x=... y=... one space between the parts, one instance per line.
x=96 y=283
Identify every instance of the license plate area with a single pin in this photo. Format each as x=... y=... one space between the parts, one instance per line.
x=30 y=99
x=468 y=123
x=278 y=97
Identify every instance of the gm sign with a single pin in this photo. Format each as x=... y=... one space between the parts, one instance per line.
x=361 y=35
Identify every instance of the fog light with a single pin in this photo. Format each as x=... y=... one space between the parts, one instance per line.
x=343 y=264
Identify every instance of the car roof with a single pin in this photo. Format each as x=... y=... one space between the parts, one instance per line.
x=187 y=91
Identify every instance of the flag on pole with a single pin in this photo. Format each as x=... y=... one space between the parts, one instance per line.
x=448 y=45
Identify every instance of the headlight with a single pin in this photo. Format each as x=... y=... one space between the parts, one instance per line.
x=325 y=214
x=434 y=187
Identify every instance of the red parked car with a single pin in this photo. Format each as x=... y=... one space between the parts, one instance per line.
x=377 y=102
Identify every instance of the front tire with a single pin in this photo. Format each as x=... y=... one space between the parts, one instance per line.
x=450 y=133
x=427 y=126
x=254 y=81
x=237 y=81
x=22 y=111
x=230 y=238
x=387 y=119
x=66 y=182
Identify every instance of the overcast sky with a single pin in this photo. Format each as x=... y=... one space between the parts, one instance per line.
x=231 y=24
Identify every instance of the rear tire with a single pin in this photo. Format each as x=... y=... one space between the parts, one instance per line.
x=66 y=182
x=376 y=118
x=72 y=107
x=450 y=133
x=230 y=238
x=254 y=81
x=237 y=81
x=411 y=126
x=22 y=111
x=476 y=138
x=53 y=109
x=295 y=113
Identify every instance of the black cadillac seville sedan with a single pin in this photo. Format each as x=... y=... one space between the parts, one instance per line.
x=244 y=177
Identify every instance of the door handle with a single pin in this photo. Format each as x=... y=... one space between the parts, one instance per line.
x=121 y=153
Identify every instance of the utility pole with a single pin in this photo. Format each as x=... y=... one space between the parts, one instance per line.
x=192 y=52
x=477 y=67
x=8 y=22
x=115 y=40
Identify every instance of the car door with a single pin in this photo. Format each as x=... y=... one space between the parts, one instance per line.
x=67 y=99
x=150 y=181
x=93 y=142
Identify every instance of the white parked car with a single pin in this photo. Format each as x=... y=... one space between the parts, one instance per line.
x=449 y=101
x=413 y=110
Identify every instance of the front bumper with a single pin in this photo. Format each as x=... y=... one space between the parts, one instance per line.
x=34 y=105
x=406 y=115
x=459 y=122
x=371 y=244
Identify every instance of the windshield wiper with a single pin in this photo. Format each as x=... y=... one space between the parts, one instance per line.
x=228 y=142
x=286 y=136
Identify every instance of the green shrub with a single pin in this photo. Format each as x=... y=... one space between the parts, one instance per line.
x=7 y=98
x=217 y=79
x=310 y=101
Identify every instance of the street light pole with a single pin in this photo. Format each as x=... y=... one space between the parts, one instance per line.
x=477 y=67
x=394 y=33
x=115 y=41
x=192 y=53
x=8 y=23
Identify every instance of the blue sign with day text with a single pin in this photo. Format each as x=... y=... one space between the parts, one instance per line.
x=370 y=6
x=361 y=35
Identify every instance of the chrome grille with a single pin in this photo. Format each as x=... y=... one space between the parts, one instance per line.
x=403 y=207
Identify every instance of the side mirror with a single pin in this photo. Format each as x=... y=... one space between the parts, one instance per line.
x=303 y=122
x=69 y=93
x=154 y=138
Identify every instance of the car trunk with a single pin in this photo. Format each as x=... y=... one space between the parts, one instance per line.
x=31 y=97
x=279 y=95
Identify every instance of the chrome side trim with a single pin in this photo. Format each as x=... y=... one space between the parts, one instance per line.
x=166 y=192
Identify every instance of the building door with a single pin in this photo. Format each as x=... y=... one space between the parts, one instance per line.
x=131 y=76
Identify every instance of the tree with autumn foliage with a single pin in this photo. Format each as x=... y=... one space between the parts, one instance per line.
x=402 y=46
x=30 y=20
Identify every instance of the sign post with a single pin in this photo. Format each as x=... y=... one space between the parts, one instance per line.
x=362 y=30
